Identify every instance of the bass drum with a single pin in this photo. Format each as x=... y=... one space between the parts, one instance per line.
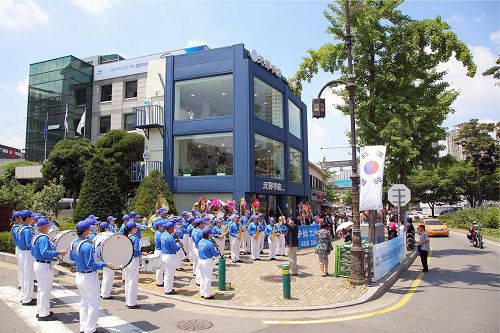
x=52 y=234
x=62 y=241
x=115 y=249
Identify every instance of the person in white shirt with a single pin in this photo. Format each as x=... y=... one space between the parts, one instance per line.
x=423 y=247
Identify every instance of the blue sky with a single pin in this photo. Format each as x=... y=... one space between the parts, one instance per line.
x=32 y=31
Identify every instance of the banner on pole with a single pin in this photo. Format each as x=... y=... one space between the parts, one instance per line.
x=372 y=177
x=308 y=236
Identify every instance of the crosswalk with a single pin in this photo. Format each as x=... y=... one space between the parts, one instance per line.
x=11 y=296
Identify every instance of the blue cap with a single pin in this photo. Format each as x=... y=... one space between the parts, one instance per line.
x=218 y=220
x=42 y=222
x=91 y=221
x=36 y=215
x=158 y=223
x=178 y=219
x=207 y=231
x=103 y=225
x=194 y=212
x=82 y=225
x=197 y=222
x=169 y=225
x=161 y=210
x=132 y=213
x=16 y=214
x=206 y=218
x=184 y=213
x=126 y=217
x=271 y=219
x=192 y=218
x=131 y=224
x=25 y=213
x=111 y=218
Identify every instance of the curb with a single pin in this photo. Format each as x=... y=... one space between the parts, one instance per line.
x=374 y=292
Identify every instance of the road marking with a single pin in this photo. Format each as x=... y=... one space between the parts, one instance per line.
x=11 y=296
x=394 y=307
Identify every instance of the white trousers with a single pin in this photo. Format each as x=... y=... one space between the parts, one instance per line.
x=262 y=236
x=196 y=269
x=273 y=247
x=220 y=243
x=189 y=250
x=178 y=259
x=108 y=276
x=132 y=281
x=234 y=243
x=19 y=270
x=185 y=244
x=168 y=263
x=88 y=284
x=281 y=245
x=44 y=276
x=245 y=242
x=28 y=276
x=255 y=247
x=160 y=273
x=206 y=270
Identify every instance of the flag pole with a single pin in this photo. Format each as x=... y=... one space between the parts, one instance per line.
x=85 y=121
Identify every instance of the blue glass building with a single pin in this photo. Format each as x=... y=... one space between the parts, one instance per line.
x=233 y=128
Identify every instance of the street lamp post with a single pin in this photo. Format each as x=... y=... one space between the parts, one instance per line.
x=357 y=252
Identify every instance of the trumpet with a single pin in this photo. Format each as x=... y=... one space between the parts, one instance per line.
x=257 y=233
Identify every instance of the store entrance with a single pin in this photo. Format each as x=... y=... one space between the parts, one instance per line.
x=268 y=204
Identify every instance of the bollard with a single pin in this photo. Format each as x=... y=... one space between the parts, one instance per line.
x=286 y=281
x=222 y=274
x=368 y=266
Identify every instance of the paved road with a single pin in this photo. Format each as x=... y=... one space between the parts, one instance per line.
x=460 y=293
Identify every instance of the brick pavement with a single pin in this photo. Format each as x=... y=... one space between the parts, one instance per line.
x=249 y=287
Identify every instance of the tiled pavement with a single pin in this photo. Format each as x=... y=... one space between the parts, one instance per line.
x=249 y=286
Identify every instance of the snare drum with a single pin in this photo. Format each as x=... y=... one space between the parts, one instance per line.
x=115 y=249
x=62 y=241
x=144 y=242
x=150 y=263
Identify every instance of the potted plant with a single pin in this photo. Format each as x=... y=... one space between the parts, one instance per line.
x=220 y=170
x=186 y=171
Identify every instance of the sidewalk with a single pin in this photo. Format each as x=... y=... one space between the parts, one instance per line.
x=259 y=284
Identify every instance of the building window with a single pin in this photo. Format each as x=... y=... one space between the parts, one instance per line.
x=296 y=166
x=105 y=125
x=81 y=96
x=131 y=89
x=294 y=118
x=204 y=98
x=203 y=155
x=106 y=92
x=269 y=157
x=129 y=124
x=268 y=103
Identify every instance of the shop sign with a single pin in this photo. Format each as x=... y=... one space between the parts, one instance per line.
x=257 y=58
x=272 y=186
x=318 y=196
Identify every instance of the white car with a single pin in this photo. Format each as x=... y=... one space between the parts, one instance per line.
x=416 y=215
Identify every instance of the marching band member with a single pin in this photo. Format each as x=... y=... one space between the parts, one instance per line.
x=125 y=219
x=82 y=252
x=169 y=247
x=189 y=247
x=27 y=260
x=272 y=233
x=132 y=270
x=93 y=229
x=136 y=218
x=159 y=226
x=255 y=237
x=179 y=234
x=281 y=240
x=234 y=242
x=185 y=237
x=246 y=240
x=16 y=223
x=217 y=237
x=112 y=226
x=197 y=235
x=206 y=251
x=108 y=274
x=43 y=254
x=262 y=226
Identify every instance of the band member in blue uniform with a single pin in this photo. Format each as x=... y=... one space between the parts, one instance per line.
x=197 y=235
x=27 y=260
x=125 y=219
x=159 y=226
x=112 y=226
x=14 y=231
x=131 y=272
x=44 y=255
x=82 y=253
x=185 y=237
x=262 y=227
x=281 y=240
x=179 y=234
x=234 y=239
x=207 y=252
x=272 y=233
x=217 y=237
x=169 y=247
x=254 y=237
x=137 y=219
x=246 y=241
x=108 y=275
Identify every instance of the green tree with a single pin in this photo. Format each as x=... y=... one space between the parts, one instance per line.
x=16 y=195
x=70 y=159
x=401 y=98
x=481 y=149
x=100 y=194
x=9 y=170
x=329 y=187
x=148 y=192
x=494 y=71
x=46 y=200
x=122 y=148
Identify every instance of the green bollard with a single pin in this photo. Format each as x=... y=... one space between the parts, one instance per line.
x=286 y=281
x=222 y=274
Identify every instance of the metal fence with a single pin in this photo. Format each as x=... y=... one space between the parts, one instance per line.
x=141 y=169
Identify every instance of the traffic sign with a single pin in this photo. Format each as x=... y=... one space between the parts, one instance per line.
x=399 y=195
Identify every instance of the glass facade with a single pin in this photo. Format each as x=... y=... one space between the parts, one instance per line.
x=269 y=157
x=53 y=84
x=294 y=117
x=295 y=174
x=204 y=154
x=268 y=103
x=204 y=98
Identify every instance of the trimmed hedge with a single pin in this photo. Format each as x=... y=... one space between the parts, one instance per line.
x=487 y=217
x=6 y=244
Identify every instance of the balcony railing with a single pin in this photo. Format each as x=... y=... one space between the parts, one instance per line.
x=141 y=169
x=148 y=116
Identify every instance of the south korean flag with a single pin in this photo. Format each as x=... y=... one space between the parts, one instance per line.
x=372 y=177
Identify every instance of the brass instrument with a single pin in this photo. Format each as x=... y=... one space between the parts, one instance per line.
x=224 y=230
x=242 y=231
x=257 y=233
x=273 y=234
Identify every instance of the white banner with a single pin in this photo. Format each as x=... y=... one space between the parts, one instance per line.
x=387 y=255
x=372 y=177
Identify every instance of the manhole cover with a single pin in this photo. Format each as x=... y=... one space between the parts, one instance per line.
x=194 y=325
x=274 y=278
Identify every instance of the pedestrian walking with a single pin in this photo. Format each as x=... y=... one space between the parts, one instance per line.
x=323 y=248
x=292 y=241
x=423 y=247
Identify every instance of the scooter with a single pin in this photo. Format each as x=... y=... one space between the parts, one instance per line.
x=477 y=239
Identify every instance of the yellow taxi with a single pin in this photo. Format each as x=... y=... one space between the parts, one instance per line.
x=434 y=227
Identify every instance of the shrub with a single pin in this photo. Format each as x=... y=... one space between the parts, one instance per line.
x=6 y=244
x=487 y=217
x=147 y=194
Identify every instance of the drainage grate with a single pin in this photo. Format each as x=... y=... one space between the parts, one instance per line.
x=274 y=278
x=195 y=325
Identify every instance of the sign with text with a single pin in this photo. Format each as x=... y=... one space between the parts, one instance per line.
x=387 y=255
x=336 y=164
x=308 y=236
x=266 y=186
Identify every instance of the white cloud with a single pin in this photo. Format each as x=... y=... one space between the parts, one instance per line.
x=196 y=42
x=22 y=86
x=479 y=18
x=495 y=37
x=5 y=87
x=94 y=7
x=456 y=18
x=22 y=14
